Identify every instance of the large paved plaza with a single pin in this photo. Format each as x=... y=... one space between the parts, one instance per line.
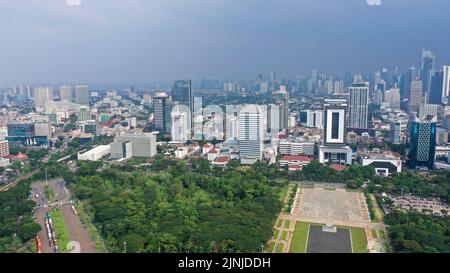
x=332 y=205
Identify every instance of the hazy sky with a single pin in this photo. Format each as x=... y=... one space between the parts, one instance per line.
x=49 y=41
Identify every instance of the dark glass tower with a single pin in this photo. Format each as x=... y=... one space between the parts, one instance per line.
x=422 y=143
x=436 y=85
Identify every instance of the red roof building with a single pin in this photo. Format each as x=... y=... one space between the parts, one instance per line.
x=337 y=167
x=294 y=160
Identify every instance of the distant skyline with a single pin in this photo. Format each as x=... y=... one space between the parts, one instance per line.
x=125 y=41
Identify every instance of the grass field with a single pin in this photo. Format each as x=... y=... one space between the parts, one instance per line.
x=275 y=235
x=278 y=225
x=287 y=223
x=49 y=193
x=353 y=190
x=280 y=248
x=382 y=234
x=359 y=240
x=374 y=233
x=61 y=230
x=270 y=247
x=300 y=238
x=284 y=235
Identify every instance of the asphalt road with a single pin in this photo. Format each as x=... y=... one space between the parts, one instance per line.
x=76 y=229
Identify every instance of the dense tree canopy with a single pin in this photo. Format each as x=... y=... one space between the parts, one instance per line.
x=418 y=233
x=15 y=218
x=170 y=209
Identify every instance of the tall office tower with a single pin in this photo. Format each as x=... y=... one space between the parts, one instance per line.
x=65 y=93
x=180 y=123
x=377 y=97
x=423 y=143
x=426 y=67
x=415 y=96
x=359 y=105
x=446 y=85
x=333 y=148
x=392 y=96
x=251 y=135
x=82 y=95
x=282 y=98
x=314 y=81
x=312 y=118
x=272 y=81
x=275 y=114
x=84 y=113
x=329 y=86
x=160 y=105
x=182 y=94
x=232 y=127
x=410 y=75
x=30 y=93
x=4 y=148
x=395 y=132
x=42 y=95
x=338 y=87
x=428 y=110
x=436 y=84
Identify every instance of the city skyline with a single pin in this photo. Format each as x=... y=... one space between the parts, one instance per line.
x=105 y=42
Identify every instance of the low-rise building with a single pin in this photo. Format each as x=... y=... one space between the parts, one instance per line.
x=385 y=163
x=294 y=160
x=96 y=153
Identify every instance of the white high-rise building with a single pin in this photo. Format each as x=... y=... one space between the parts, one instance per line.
x=42 y=95
x=232 y=127
x=180 y=130
x=275 y=114
x=250 y=134
x=392 y=96
x=338 y=87
x=334 y=149
x=446 y=85
x=314 y=119
x=359 y=105
x=415 y=96
x=82 y=94
x=65 y=93
x=428 y=110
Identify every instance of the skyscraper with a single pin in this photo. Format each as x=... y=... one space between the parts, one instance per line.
x=333 y=148
x=423 y=143
x=359 y=105
x=435 y=95
x=180 y=124
x=446 y=84
x=410 y=75
x=160 y=106
x=282 y=98
x=426 y=67
x=251 y=136
x=42 y=95
x=392 y=96
x=275 y=114
x=415 y=96
x=395 y=132
x=182 y=94
x=65 y=93
x=82 y=95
